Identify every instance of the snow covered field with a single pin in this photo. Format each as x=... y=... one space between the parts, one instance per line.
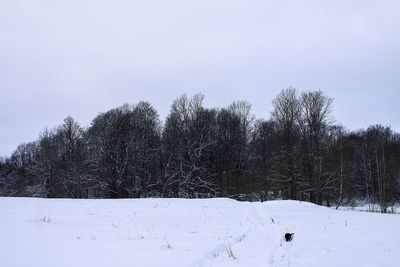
x=178 y=232
x=370 y=208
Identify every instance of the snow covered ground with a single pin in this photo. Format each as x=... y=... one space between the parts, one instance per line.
x=370 y=207
x=204 y=232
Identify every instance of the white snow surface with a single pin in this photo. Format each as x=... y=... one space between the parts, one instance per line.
x=202 y=232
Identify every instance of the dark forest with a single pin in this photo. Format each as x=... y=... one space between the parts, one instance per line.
x=299 y=153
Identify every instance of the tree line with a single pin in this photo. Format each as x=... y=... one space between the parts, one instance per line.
x=127 y=152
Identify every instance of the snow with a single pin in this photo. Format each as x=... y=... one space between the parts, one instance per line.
x=374 y=207
x=202 y=232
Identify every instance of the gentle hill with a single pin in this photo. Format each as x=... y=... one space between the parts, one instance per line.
x=201 y=232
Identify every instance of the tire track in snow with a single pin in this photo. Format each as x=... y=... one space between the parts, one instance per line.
x=280 y=256
x=221 y=248
x=270 y=232
x=263 y=235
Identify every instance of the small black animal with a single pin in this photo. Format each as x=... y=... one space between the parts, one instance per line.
x=289 y=236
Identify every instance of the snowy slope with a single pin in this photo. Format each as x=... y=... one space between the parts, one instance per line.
x=178 y=232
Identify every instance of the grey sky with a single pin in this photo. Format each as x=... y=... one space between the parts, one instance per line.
x=80 y=57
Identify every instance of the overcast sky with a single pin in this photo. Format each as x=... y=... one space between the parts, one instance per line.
x=80 y=57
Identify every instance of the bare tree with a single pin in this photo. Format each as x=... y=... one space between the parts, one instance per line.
x=316 y=118
x=286 y=114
